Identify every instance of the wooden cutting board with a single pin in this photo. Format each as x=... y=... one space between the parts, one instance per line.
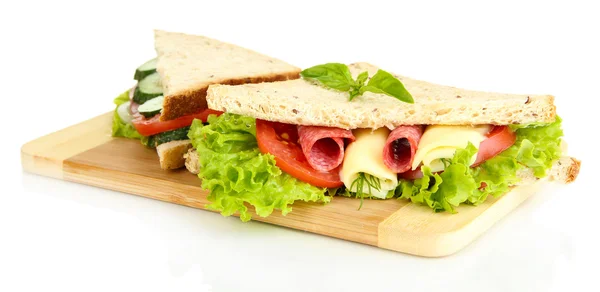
x=86 y=153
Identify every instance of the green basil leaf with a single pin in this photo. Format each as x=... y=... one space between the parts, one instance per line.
x=361 y=78
x=371 y=89
x=354 y=92
x=390 y=85
x=337 y=76
x=333 y=75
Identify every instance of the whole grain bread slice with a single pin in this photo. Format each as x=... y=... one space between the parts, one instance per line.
x=565 y=170
x=306 y=103
x=188 y=64
x=171 y=154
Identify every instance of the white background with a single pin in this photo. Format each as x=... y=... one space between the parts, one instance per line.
x=62 y=63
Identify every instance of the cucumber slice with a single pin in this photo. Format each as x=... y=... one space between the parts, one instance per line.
x=123 y=112
x=168 y=136
x=152 y=107
x=145 y=69
x=174 y=135
x=149 y=142
x=149 y=88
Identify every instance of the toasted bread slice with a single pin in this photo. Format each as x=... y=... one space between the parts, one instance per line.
x=192 y=164
x=171 y=154
x=188 y=64
x=306 y=103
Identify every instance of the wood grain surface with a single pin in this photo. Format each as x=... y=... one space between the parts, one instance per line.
x=87 y=154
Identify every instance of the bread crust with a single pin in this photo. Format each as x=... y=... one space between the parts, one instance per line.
x=194 y=100
x=573 y=170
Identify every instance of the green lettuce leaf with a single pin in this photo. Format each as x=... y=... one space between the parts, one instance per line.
x=537 y=147
x=446 y=190
x=119 y=128
x=497 y=175
x=236 y=173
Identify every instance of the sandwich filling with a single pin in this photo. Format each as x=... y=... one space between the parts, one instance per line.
x=243 y=160
x=138 y=111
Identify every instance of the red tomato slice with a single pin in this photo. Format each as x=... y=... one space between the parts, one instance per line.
x=154 y=125
x=498 y=139
x=281 y=140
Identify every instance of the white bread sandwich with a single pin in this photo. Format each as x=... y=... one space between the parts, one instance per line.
x=171 y=89
x=362 y=132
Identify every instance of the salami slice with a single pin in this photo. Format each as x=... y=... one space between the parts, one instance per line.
x=323 y=147
x=401 y=146
x=133 y=108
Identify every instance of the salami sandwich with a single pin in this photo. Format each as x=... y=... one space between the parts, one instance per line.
x=171 y=89
x=356 y=130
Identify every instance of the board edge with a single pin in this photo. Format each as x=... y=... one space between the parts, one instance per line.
x=393 y=236
x=45 y=155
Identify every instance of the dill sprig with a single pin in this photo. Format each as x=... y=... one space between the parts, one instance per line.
x=372 y=182
x=446 y=162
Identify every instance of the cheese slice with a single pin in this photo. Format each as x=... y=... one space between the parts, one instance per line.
x=441 y=141
x=365 y=155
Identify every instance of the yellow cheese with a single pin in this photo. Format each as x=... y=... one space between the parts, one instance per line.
x=439 y=141
x=366 y=155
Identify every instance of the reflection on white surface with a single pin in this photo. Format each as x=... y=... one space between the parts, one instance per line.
x=203 y=250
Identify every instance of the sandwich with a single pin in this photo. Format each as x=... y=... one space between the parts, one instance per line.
x=359 y=131
x=171 y=89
